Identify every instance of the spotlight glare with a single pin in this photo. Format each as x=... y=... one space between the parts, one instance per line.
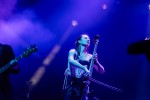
x=74 y=23
x=149 y=6
x=104 y=6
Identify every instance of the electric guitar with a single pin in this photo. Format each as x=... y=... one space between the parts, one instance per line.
x=28 y=51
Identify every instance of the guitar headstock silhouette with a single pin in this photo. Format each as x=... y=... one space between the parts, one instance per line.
x=28 y=51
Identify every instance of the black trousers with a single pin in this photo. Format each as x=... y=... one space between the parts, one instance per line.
x=73 y=89
x=8 y=96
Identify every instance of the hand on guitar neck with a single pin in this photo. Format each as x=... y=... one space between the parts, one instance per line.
x=99 y=67
x=87 y=72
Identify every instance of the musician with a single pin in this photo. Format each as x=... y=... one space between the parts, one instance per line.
x=6 y=56
x=78 y=67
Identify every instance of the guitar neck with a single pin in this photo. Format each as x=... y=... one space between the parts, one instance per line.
x=8 y=65
x=26 y=53
x=92 y=60
x=4 y=68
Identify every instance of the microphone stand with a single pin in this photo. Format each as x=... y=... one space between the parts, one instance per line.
x=28 y=89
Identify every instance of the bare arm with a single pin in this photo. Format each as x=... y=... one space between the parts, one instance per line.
x=99 y=67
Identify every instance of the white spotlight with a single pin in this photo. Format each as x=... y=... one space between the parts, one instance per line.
x=74 y=23
x=104 y=6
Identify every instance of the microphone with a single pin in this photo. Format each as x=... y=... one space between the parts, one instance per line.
x=95 y=40
x=96 y=37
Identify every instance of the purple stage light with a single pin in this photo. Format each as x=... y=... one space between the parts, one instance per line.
x=6 y=8
x=74 y=23
x=104 y=6
x=22 y=30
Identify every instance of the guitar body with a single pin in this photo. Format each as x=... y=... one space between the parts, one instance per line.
x=79 y=72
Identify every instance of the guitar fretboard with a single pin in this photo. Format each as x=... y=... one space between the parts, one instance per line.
x=4 y=68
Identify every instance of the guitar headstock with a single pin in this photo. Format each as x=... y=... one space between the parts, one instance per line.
x=28 y=51
x=96 y=39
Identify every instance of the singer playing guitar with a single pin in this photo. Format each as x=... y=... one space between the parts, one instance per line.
x=78 y=68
